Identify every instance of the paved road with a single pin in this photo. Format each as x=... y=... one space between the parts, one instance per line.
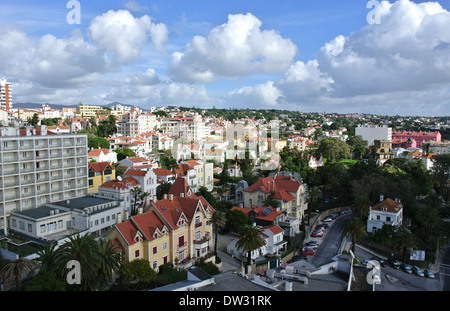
x=330 y=242
x=445 y=270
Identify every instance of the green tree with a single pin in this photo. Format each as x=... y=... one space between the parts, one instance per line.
x=405 y=240
x=355 y=228
x=360 y=207
x=218 y=220
x=14 y=269
x=236 y=219
x=334 y=149
x=98 y=142
x=250 y=240
x=138 y=271
x=34 y=120
x=162 y=189
x=124 y=153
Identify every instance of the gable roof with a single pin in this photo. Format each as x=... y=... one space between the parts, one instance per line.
x=97 y=152
x=388 y=205
x=281 y=185
x=100 y=166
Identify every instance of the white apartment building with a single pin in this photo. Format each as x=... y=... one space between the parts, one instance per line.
x=374 y=132
x=37 y=167
x=134 y=123
x=5 y=95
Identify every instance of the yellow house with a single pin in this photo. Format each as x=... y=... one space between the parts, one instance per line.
x=143 y=236
x=99 y=173
x=173 y=230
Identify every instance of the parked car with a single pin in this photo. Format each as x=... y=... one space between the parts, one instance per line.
x=308 y=251
x=381 y=261
x=405 y=267
x=308 y=247
x=317 y=234
x=394 y=263
x=312 y=243
x=328 y=219
x=428 y=273
x=418 y=271
x=323 y=225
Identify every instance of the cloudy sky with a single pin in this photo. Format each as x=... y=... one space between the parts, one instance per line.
x=382 y=57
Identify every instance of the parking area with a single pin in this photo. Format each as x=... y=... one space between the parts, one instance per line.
x=397 y=279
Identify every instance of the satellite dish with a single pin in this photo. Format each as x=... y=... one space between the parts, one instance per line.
x=119 y=178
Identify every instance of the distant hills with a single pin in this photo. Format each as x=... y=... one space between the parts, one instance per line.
x=59 y=107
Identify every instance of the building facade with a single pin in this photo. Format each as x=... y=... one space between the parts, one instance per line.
x=6 y=102
x=37 y=168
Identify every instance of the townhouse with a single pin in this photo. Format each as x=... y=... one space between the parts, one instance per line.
x=288 y=192
x=173 y=230
x=99 y=173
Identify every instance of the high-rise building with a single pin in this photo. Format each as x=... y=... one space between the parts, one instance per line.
x=38 y=167
x=5 y=95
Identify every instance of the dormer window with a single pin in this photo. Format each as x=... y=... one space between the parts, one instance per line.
x=137 y=238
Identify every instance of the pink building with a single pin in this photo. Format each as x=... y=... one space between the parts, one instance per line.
x=419 y=137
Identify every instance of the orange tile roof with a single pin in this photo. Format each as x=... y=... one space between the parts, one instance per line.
x=96 y=152
x=390 y=206
x=100 y=166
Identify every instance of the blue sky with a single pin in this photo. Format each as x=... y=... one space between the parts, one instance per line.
x=298 y=55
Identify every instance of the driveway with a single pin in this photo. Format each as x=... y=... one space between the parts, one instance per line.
x=228 y=263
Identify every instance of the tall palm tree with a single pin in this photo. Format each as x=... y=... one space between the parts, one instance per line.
x=110 y=259
x=404 y=241
x=360 y=207
x=15 y=269
x=217 y=219
x=47 y=256
x=251 y=239
x=85 y=250
x=137 y=191
x=355 y=228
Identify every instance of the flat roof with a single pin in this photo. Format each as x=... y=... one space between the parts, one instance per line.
x=83 y=202
x=37 y=213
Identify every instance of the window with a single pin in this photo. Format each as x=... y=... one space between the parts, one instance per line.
x=42 y=228
x=198 y=235
x=30 y=227
x=164 y=246
x=60 y=223
x=155 y=265
x=155 y=250
x=136 y=253
x=14 y=223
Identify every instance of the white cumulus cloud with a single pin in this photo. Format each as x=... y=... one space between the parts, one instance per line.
x=124 y=35
x=235 y=49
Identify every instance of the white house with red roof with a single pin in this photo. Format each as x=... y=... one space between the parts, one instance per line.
x=385 y=212
x=139 y=163
x=147 y=180
x=119 y=189
x=102 y=155
x=274 y=244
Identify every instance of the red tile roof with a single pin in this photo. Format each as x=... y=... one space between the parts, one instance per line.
x=389 y=205
x=100 y=166
x=281 y=185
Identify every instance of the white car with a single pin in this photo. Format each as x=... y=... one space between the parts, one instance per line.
x=328 y=219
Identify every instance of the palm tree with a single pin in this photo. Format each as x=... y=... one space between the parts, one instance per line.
x=251 y=239
x=110 y=259
x=85 y=250
x=217 y=219
x=16 y=268
x=48 y=256
x=361 y=206
x=404 y=241
x=137 y=191
x=355 y=228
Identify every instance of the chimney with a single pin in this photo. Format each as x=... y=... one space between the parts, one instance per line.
x=165 y=196
x=171 y=197
x=119 y=217
x=127 y=214
x=155 y=198
x=140 y=210
x=182 y=195
x=381 y=197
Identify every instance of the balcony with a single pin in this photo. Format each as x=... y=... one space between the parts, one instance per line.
x=182 y=247
x=198 y=224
